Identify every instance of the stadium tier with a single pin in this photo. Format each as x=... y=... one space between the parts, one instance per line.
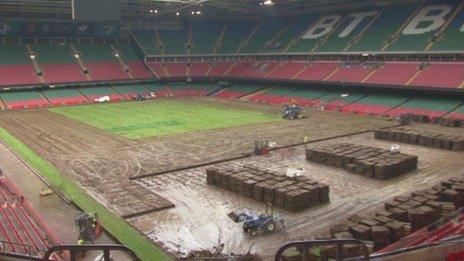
x=433 y=25
x=388 y=73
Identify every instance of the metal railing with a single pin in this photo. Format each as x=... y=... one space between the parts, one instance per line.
x=6 y=244
x=304 y=248
x=75 y=250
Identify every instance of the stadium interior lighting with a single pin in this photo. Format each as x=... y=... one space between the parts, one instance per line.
x=76 y=55
x=32 y=56
x=177 y=13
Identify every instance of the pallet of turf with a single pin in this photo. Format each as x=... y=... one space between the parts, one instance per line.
x=422 y=137
x=293 y=194
x=368 y=161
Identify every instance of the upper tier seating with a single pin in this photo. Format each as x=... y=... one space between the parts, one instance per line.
x=205 y=35
x=389 y=21
x=268 y=29
x=400 y=27
x=236 y=32
x=418 y=41
x=147 y=39
x=452 y=37
x=174 y=41
x=337 y=41
x=297 y=27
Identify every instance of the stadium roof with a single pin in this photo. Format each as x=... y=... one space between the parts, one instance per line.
x=135 y=9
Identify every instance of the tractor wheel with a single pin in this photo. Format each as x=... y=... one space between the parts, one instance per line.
x=270 y=226
x=253 y=232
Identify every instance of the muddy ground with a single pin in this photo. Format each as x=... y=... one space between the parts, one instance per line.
x=102 y=162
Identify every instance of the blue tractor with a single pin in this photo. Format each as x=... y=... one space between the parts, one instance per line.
x=292 y=112
x=268 y=221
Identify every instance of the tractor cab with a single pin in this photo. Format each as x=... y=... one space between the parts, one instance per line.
x=292 y=111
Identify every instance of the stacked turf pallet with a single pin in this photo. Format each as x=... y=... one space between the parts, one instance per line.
x=422 y=137
x=399 y=217
x=363 y=160
x=268 y=186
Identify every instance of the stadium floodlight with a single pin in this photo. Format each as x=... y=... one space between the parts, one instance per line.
x=193 y=12
x=177 y=13
x=198 y=12
x=76 y=55
x=32 y=56
x=116 y=55
x=365 y=54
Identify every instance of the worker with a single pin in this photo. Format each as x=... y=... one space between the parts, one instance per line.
x=315 y=252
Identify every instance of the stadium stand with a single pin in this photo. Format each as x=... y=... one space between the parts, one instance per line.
x=458 y=113
x=339 y=40
x=64 y=97
x=92 y=93
x=234 y=35
x=286 y=70
x=317 y=71
x=174 y=41
x=414 y=39
x=219 y=68
x=260 y=69
x=205 y=35
x=159 y=89
x=199 y=68
x=23 y=100
x=21 y=227
x=428 y=106
x=402 y=72
x=446 y=40
x=389 y=21
x=350 y=72
x=375 y=104
x=129 y=91
x=449 y=75
x=147 y=39
x=176 y=69
x=262 y=36
x=295 y=29
x=101 y=62
x=239 y=68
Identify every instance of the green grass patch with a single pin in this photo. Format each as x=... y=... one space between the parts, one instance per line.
x=154 y=118
x=116 y=226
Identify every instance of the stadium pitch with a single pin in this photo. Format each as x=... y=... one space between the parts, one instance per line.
x=154 y=118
